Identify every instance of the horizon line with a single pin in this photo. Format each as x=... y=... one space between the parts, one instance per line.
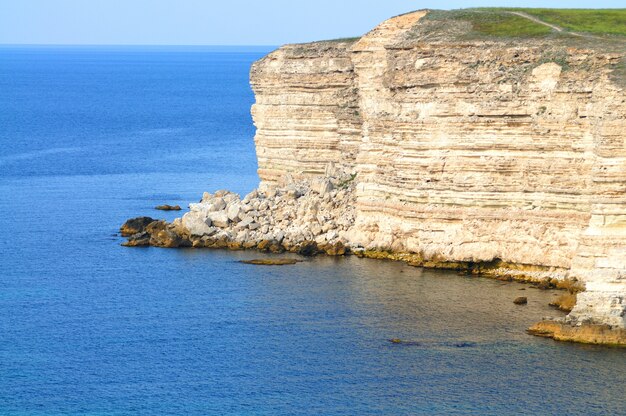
x=143 y=45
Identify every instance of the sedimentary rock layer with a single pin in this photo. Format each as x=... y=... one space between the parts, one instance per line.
x=464 y=150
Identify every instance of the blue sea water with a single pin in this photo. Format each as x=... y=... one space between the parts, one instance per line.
x=92 y=136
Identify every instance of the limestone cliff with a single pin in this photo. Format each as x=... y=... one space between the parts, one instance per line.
x=464 y=150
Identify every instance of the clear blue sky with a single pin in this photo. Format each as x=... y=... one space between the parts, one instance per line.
x=211 y=22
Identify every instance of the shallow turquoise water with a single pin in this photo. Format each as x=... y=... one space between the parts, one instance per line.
x=90 y=137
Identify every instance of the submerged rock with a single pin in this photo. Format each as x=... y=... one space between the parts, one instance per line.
x=270 y=262
x=168 y=207
x=403 y=342
x=520 y=300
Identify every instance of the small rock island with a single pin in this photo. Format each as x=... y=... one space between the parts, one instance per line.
x=437 y=140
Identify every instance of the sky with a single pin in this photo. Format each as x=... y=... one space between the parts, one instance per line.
x=211 y=22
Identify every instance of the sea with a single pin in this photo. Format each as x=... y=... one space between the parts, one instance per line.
x=92 y=136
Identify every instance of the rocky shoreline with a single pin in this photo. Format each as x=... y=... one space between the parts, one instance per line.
x=562 y=330
x=316 y=216
x=487 y=156
x=307 y=217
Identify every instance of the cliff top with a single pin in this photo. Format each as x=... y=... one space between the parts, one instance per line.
x=523 y=22
x=597 y=21
x=527 y=22
x=602 y=30
x=553 y=30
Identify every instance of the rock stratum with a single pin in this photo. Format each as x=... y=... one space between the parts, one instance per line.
x=422 y=144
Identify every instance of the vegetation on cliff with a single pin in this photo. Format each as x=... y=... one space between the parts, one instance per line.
x=473 y=23
x=555 y=31
x=525 y=23
x=598 y=21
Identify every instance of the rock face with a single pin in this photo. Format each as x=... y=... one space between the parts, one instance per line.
x=499 y=157
x=465 y=151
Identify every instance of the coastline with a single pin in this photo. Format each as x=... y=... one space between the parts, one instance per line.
x=484 y=154
x=225 y=221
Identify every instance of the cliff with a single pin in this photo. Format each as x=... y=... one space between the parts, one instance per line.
x=441 y=140
x=465 y=149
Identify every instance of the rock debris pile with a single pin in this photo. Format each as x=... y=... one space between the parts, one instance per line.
x=308 y=217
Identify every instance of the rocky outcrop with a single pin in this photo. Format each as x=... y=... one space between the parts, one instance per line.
x=135 y=226
x=420 y=143
x=308 y=217
x=586 y=334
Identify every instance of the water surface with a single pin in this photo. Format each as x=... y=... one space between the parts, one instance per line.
x=92 y=136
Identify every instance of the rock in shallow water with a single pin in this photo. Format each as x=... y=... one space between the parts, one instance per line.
x=168 y=207
x=135 y=225
x=583 y=333
x=270 y=262
x=138 y=240
x=520 y=300
x=197 y=223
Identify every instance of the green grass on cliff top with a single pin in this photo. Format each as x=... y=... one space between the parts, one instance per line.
x=495 y=22
x=500 y=22
x=597 y=21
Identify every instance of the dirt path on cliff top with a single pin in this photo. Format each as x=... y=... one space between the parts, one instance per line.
x=553 y=27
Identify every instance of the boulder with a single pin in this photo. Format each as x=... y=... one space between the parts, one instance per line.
x=322 y=186
x=520 y=300
x=233 y=212
x=337 y=249
x=168 y=239
x=292 y=192
x=138 y=240
x=271 y=192
x=216 y=204
x=308 y=249
x=316 y=229
x=264 y=245
x=221 y=193
x=135 y=225
x=245 y=222
x=219 y=219
x=252 y=195
x=197 y=224
x=565 y=302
